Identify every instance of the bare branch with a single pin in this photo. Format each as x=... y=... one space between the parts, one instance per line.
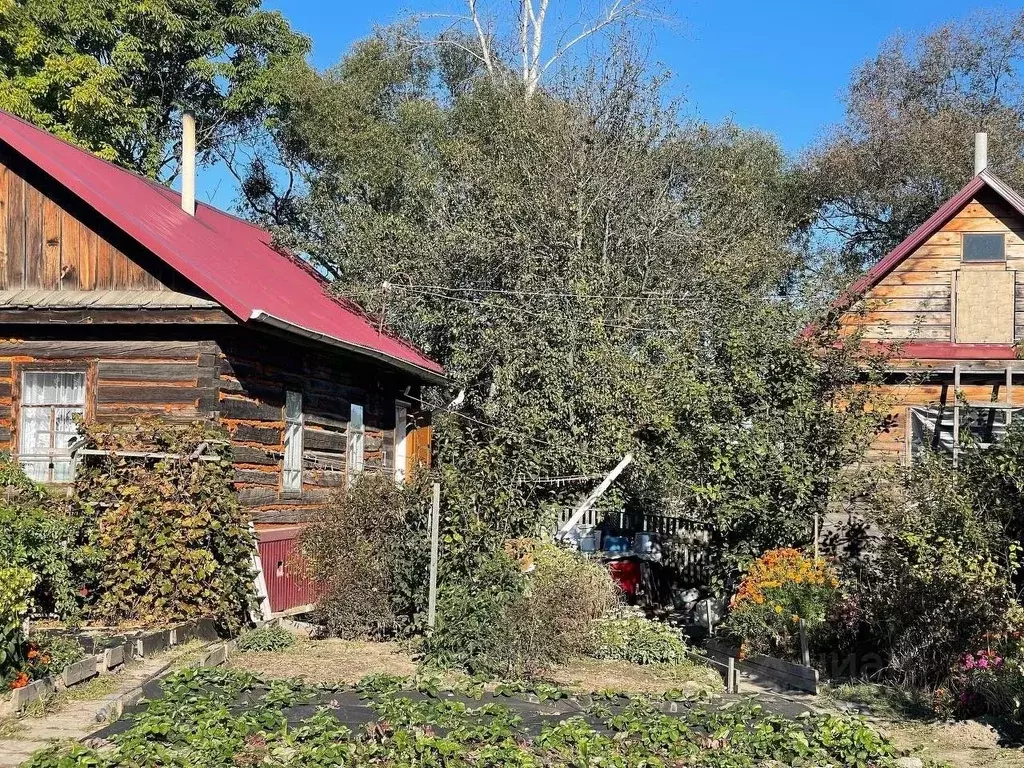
x=485 y=45
x=617 y=12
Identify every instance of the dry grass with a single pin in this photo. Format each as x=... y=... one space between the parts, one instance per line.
x=328 y=661
x=964 y=744
x=591 y=675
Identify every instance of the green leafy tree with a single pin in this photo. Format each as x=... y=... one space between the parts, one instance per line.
x=905 y=145
x=601 y=275
x=112 y=75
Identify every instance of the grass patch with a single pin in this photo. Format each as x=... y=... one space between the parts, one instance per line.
x=883 y=701
x=328 y=661
x=586 y=675
x=96 y=688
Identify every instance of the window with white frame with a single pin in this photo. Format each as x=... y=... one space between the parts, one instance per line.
x=291 y=477
x=401 y=438
x=356 y=441
x=50 y=400
x=931 y=427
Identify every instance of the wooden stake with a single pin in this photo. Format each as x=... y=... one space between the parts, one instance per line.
x=805 y=652
x=816 y=533
x=732 y=685
x=435 y=515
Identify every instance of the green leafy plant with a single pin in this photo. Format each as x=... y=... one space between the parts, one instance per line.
x=41 y=531
x=780 y=588
x=51 y=655
x=634 y=638
x=513 y=623
x=266 y=639
x=201 y=720
x=168 y=536
x=15 y=588
x=367 y=552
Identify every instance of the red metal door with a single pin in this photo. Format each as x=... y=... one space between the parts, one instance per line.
x=287 y=585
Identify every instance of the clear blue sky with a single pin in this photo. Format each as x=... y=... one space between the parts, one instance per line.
x=775 y=65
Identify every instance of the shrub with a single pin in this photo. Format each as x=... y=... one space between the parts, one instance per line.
x=40 y=531
x=169 y=537
x=781 y=587
x=15 y=588
x=505 y=622
x=940 y=579
x=267 y=639
x=368 y=552
x=629 y=637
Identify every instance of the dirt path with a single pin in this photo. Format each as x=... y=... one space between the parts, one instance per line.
x=76 y=712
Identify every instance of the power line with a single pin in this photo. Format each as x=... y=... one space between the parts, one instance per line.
x=549 y=294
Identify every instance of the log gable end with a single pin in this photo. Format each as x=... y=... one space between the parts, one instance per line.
x=936 y=295
x=51 y=241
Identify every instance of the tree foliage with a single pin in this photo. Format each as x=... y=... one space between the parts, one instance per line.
x=905 y=146
x=601 y=275
x=112 y=75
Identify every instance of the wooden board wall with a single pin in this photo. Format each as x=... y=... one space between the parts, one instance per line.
x=125 y=379
x=915 y=301
x=50 y=240
x=239 y=377
x=255 y=373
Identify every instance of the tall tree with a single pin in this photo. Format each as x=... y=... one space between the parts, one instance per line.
x=906 y=143
x=600 y=275
x=112 y=75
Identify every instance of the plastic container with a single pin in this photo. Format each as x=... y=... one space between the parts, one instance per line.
x=617 y=544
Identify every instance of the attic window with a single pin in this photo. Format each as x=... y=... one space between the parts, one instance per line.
x=984 y=247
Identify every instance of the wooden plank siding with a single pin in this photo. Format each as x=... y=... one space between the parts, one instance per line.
x=237 y=376
x=916 y=300
x=254 y=376
x=50 y=240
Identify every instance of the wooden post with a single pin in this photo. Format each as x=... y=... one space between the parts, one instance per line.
x=816 y=533
x=732 y=685
x=956 y=415
x=707 y=610
x=805 y=652
x=596 y=494
x=435 y=515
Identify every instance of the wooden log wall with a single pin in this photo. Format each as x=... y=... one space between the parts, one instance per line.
x=915 y=301
x=50 y=240
x=124 y=379
x=255 y=373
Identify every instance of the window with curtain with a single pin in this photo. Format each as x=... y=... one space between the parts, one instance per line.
x=356 y=441
x=401 y=435
x=46 y=428
x=291 y=477
x=931 y=428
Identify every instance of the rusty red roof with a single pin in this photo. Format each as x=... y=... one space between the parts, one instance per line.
x=935 y=222
x=231 y=260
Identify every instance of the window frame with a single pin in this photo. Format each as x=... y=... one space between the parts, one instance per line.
x=355 y=442
x=20 y=407
x=963 y=247
x=292 y=442
x=401 y=452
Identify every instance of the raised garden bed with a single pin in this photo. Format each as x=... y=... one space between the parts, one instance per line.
x=785 y=673
x=106 y=654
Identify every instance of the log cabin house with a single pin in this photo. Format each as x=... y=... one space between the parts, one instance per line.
x=948 y=303
x=120 y=298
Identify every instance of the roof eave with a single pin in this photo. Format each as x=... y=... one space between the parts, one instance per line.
x=421 y=372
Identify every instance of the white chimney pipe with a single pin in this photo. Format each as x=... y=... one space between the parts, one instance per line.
x=980 y=152
x=188 y=164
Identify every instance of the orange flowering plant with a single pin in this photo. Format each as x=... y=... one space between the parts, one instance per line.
x=780 y=588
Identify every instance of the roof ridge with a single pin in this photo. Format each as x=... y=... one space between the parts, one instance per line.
x=229 y=258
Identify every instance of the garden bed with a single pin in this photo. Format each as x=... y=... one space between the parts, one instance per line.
x=106 y=653
x=223 y=717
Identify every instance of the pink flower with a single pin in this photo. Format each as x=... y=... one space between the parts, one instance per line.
x=983 y=662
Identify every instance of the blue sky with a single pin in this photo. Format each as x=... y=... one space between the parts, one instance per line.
x=776 y=65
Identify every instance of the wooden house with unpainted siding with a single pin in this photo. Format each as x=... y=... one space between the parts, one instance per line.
x=947 y=306
x=116 y=301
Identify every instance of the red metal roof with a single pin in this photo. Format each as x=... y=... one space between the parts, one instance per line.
x=232 y=260
x=935 y=222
